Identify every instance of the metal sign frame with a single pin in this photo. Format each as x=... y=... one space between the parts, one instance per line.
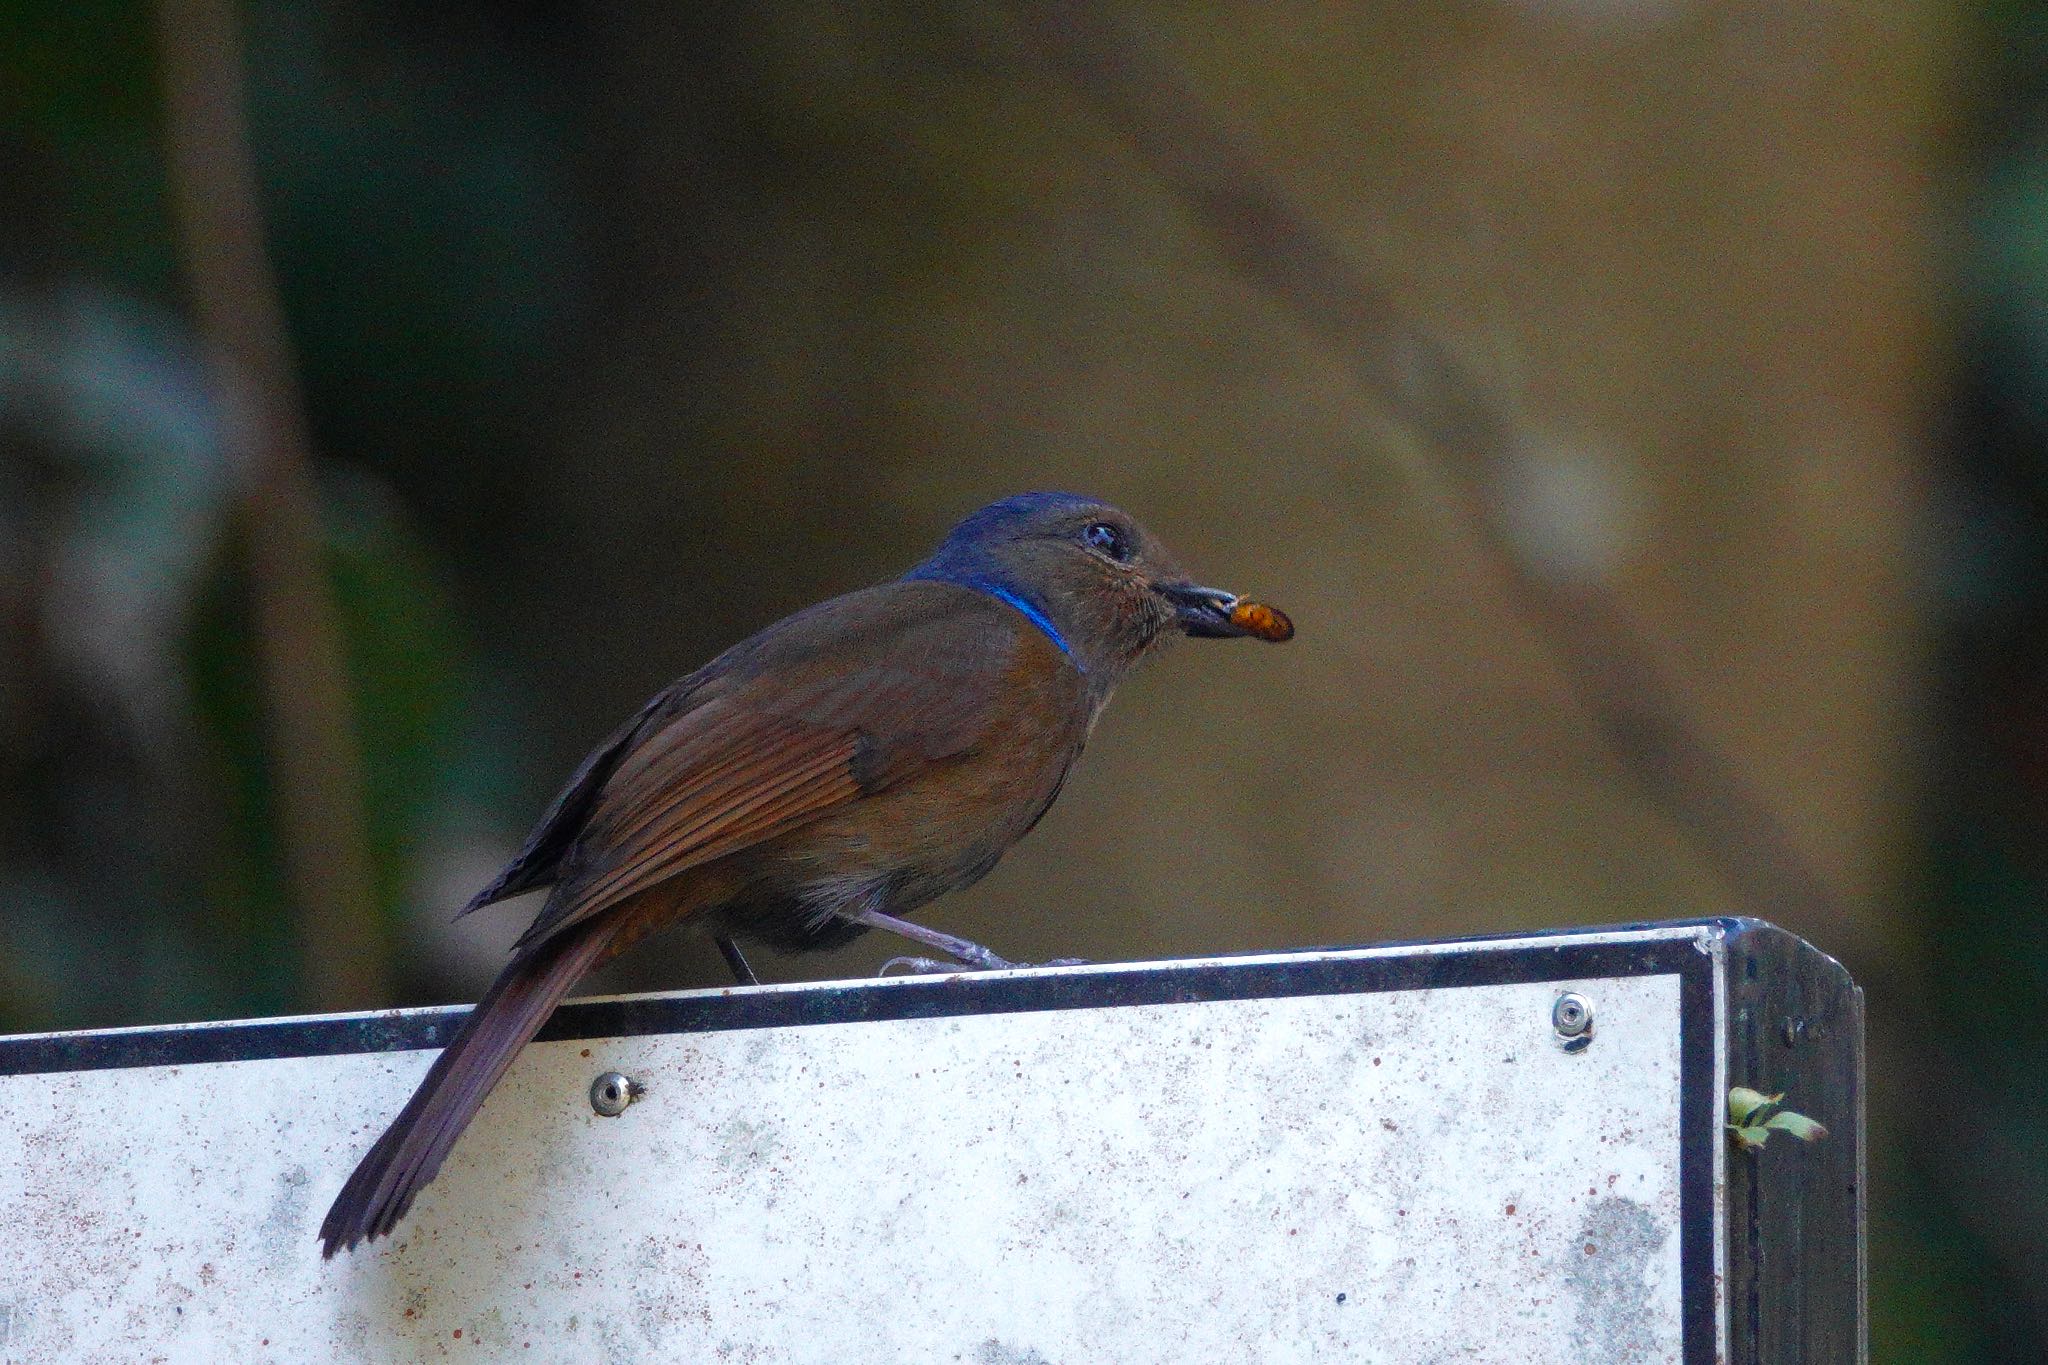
x=1770 y=1243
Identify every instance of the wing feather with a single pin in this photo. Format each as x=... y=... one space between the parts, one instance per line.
x=743 y=813
x=813 y=724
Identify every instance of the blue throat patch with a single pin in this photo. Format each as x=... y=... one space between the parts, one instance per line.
x=1010 y=596
x=1031 y=614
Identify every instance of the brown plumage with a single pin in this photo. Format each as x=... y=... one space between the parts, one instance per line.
x=829 y=775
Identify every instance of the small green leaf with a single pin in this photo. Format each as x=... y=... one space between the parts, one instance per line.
x=1798 y=1125
x=1743 y=1102
x=1749 y=1138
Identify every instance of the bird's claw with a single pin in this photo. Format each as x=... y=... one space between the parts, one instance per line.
x=920 y=966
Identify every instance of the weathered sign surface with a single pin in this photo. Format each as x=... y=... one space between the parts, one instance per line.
x=1399 y=1154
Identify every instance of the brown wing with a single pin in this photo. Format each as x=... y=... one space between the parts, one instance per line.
x=828 y=707
x=538 y=862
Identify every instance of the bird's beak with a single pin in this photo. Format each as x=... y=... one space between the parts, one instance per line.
x=1213 y=614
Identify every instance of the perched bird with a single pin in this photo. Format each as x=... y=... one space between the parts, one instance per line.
x=826 y=777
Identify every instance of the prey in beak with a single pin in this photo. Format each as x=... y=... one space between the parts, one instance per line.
x=1213 y=614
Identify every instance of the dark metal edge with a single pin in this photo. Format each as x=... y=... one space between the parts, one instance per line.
x=1699 y=1129
x=1797 y=1268
x=1301 y=974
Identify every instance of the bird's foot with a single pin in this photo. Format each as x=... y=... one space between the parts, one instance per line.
x=922 y=966
x=919 y=966
x=967 y=955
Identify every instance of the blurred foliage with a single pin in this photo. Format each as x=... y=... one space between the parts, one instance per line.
x=419 y=213
x=624 y=329
x=1941 y=1292
x=79 y=101
x=417 y=220
x=406 y=670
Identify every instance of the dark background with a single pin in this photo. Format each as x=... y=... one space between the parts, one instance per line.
x=623 y=329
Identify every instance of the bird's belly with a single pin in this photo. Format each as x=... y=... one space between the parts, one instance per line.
x=901 y=847
x=935 y=835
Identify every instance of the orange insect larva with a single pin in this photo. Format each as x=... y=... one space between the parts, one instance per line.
x=1267 y=623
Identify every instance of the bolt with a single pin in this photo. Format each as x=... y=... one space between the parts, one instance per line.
x=612 y=1092
x=1572 y=1018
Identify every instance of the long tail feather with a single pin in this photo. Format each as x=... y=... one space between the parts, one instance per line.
x=413 y=1147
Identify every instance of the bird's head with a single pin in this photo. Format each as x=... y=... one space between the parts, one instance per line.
x=1100 y=585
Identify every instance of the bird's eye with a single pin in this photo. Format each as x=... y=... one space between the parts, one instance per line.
x=1107 y=540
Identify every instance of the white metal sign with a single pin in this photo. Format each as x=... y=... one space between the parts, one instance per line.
x=1391 y=1154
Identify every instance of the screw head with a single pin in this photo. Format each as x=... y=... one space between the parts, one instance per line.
x=612 y=1092
x=1572 y=1017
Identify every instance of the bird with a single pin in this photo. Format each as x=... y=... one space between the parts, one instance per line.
x=825 y=777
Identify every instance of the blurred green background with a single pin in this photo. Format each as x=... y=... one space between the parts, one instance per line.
x=625 y=328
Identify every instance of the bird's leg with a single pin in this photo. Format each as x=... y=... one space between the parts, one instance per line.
x=959 y=949
x=736 y=960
